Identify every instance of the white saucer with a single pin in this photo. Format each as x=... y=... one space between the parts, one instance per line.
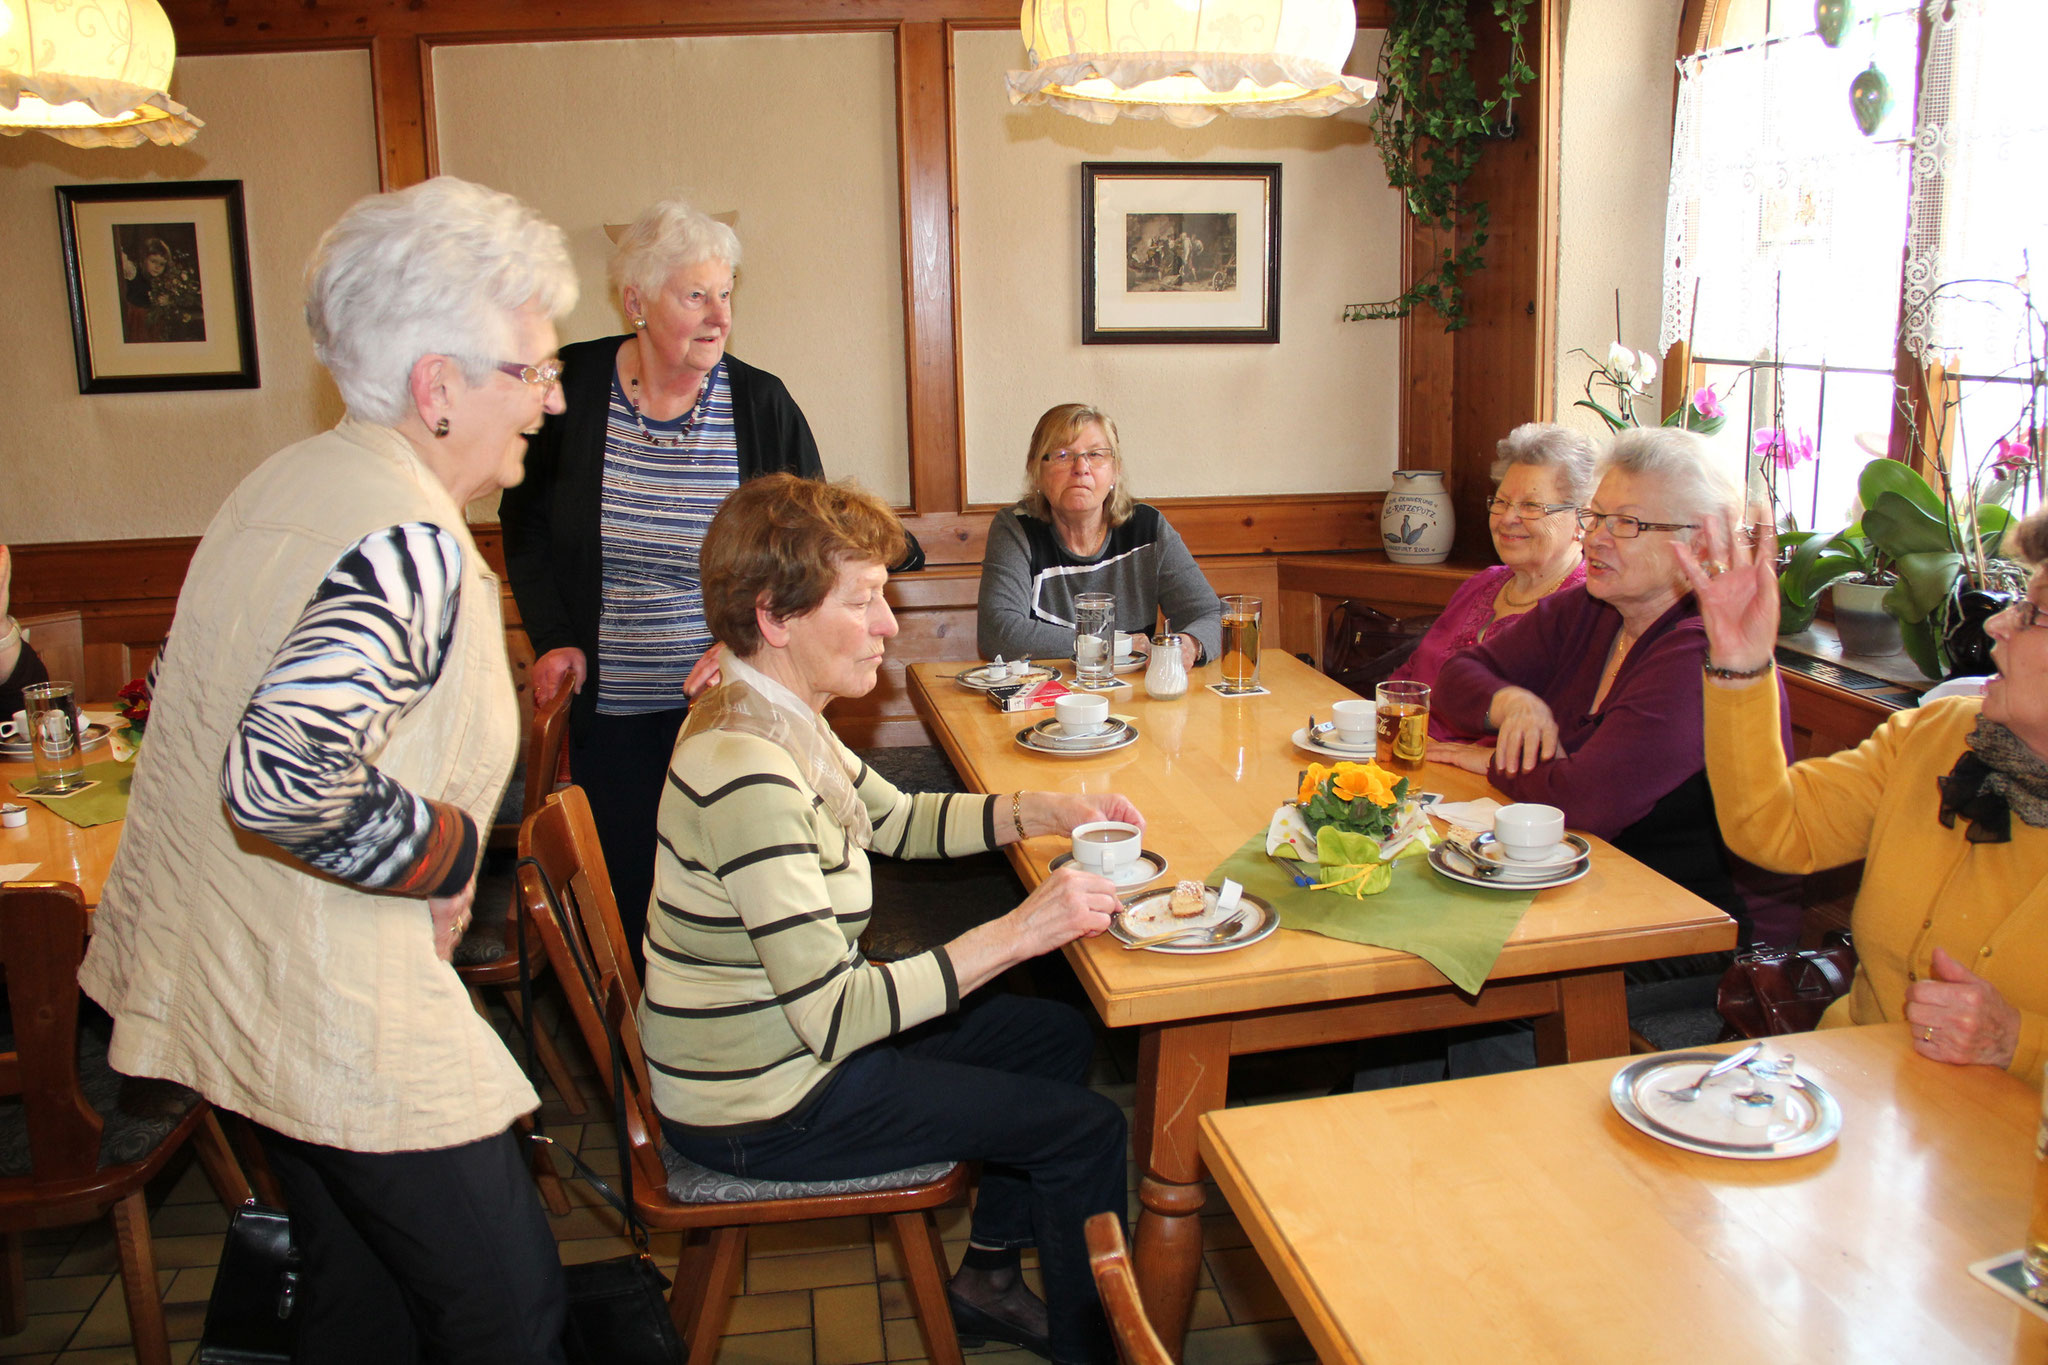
x=1053 y=735
x=1443 y=858
x=1559 y=859
x=1338 y=750
x=1146 y=867
x=1029 y=738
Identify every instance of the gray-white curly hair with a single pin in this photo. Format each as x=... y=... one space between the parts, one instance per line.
x=440 y=268
x=666 y=237
x=1546 y=445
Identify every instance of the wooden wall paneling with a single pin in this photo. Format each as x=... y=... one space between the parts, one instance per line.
x=924 y=72
x=400 y=85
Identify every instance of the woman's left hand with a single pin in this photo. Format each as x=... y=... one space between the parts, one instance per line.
x=705 y=674
x=1473 y=758
x=451 y=920
x=1062 y=812
x=1958 y=1017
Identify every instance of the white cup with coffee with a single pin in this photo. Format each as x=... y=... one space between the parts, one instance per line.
x=1355 y=720
x=1081 y=714
x=1107 y=846
x=1528 y=832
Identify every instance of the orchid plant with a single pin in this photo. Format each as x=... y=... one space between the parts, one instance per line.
x=1628 y=374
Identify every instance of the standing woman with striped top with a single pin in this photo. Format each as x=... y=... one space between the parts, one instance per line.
x=601 y=540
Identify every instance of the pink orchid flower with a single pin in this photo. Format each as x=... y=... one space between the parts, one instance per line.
x=1787 y=449
x=1705 y=403
x=2011 y=456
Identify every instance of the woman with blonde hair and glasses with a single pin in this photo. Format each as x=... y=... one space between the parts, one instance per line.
x=1077 y=529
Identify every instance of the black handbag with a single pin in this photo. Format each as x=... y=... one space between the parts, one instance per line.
x=248 y=1315
x=1773 y=991
x=1362 y=645
x=618 y=1309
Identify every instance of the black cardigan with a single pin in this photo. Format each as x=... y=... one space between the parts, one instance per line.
x=553 y=553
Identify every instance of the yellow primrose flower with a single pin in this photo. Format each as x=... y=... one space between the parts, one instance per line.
x=1369 y=780
x=1310 y=780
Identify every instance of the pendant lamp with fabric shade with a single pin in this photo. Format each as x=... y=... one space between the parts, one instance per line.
x=93 y=73
x=1187 y=61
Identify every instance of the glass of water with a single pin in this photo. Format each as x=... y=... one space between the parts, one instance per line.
x=1094 y=638
x=55 y=736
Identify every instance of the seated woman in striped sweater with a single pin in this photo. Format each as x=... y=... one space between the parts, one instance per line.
x=777 y=1050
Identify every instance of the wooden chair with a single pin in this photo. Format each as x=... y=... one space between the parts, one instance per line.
x=712 y=1209
x=488 y=956
x=70 y=1152
x=1110 y=1259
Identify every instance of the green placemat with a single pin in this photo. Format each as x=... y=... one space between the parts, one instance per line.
x=98 y=805
x=1456 y=929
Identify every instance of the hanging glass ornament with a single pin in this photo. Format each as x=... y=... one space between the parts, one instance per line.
x=1831 y=19
x=1870 y=99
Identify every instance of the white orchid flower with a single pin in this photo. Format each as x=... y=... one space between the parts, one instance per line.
x=1621 y=364
x=1646 y=369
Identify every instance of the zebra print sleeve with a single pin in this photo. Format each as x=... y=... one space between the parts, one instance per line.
x=370 y=642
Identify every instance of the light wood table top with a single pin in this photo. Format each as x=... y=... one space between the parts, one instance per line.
x=1519 y=1218
x=1208 y=771
x=61 y=851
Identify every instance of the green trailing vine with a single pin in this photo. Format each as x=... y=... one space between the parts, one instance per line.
x=1431 y=124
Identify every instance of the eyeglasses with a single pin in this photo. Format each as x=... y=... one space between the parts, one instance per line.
x=1068 y=459
x=1628 y=528
x=546 y=373
x=1528 y=511
x=2028 y=615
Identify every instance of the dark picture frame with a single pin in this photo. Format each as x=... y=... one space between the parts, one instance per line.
x=158 y=277
x=1178 y=252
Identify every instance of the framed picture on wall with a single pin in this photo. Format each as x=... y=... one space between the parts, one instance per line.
x=158 y=276
x=1177 y=251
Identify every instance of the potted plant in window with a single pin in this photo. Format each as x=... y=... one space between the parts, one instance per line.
x=1951 y=577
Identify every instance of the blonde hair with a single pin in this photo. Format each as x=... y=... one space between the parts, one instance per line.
x=1060 y=425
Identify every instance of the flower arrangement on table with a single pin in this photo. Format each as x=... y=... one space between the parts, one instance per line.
x=134 y=699
x=1352 y=821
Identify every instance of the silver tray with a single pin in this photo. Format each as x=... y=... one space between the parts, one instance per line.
x=1257 y=926
x=980 y=679
x=1805 y=1119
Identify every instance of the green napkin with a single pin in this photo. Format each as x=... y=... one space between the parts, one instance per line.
x=1458 y=930
x=98 y=805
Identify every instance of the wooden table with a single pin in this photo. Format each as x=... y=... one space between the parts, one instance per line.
x=1518 y=1218
x=61 y=851
x=1208 y=772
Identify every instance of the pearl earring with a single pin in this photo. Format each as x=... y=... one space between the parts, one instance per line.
x=639 y=322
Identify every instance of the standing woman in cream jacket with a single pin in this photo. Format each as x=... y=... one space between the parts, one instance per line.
x=333 y=724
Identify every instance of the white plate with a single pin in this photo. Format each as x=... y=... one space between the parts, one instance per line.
x=1028 y=738
x=980 y=677
x=1050 y=734
x=1560 y=860
x=1146 y=867
x=17 y=751
x=1805 y=1118
x=1317 y=746
x=1445 y=860
x=1147 y=913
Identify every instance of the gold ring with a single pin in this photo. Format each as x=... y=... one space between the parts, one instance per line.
x=1928 y=1035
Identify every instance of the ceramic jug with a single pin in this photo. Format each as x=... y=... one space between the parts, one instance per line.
x=1415 y=520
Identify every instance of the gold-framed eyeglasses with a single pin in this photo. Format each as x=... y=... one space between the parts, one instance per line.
x=1074 y=459
x=1528 y=511
x=1628 y=528
x=546 y=373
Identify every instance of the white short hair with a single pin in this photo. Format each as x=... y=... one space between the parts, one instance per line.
x=1546 y=445
x=666 y=237
x=1698 y=487
x=436 y=269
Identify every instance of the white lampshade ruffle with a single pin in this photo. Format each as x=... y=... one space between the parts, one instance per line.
x=93 y=73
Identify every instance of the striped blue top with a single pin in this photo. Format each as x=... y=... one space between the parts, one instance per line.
x=657 y=501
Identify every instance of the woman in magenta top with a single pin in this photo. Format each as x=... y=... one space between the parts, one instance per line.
x=1544 y=473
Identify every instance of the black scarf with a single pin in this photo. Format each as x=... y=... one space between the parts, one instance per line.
x=1997 y=776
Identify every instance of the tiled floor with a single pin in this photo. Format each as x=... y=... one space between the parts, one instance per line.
x=824 y=1293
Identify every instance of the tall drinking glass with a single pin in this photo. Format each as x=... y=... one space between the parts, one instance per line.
x=54 y=735
x=2034 y=1267
x=1095 y=638
x=1403 y=734
x=1240 y=656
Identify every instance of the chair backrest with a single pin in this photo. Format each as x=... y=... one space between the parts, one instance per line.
x=594 y=967
x=544 y=738
x=1110 y=1259
x=42 y=941
x=59 y=640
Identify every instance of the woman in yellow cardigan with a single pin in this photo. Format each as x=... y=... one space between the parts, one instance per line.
x=1947 y=803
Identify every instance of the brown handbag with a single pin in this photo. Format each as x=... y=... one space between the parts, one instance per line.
x=1770 y=991
x=1362 y=645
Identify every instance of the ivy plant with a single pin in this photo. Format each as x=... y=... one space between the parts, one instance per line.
x=1431 y=124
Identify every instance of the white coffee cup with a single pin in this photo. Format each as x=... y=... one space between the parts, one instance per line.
x=1081 y=713
x=1107 y=846
x=15 y=728
x=1125 y=647
x=1527 y=831
x=1355 y=721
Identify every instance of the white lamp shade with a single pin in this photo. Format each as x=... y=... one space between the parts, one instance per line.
x=1188 y=60
x=93 y=73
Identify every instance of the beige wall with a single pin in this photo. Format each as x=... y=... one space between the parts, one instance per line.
x=1613 y=178
x=296 y=130
x=1316 y=413
x=813 y=175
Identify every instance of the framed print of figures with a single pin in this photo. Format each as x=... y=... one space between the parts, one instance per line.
x=1180 y=251
x=158 y=276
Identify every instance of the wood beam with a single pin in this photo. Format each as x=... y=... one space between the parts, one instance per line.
x=924 y=98
x=400 y=88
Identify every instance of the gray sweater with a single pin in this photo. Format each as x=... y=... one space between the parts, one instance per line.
x=1029 y=580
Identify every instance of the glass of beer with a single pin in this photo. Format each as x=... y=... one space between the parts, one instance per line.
x=2034 y=1267
x=1094 y=638
x=1240 y=656
x=1403 y=730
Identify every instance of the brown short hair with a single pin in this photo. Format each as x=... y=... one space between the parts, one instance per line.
x=780 y=541
x=2030 y=538
x=1061 y=424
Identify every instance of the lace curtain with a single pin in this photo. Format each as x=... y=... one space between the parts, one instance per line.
x=1979 y=215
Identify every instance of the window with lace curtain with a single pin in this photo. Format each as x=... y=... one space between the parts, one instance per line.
x=1809 y=265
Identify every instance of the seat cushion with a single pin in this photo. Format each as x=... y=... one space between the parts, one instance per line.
x=139 y=1113
x=689 y=1183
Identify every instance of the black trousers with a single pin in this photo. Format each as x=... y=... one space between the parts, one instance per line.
x=621 y=762
x=438 y=1257
x=999 y=1082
